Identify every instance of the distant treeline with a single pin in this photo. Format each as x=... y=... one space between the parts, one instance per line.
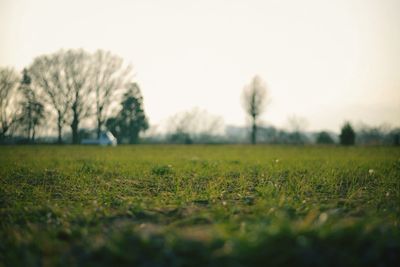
x=240 y=135
x=271 y=135
x=58 y=93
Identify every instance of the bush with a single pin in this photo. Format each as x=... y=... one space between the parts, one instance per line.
x=324 y=138
x=347 y=136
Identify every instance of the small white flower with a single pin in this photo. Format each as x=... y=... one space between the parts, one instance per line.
x=371 y=171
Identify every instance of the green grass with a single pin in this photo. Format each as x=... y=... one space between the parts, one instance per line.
x=199 y=206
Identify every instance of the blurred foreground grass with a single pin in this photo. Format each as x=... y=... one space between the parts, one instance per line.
x=199 y=206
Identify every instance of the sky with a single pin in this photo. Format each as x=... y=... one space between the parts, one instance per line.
x=323 y=61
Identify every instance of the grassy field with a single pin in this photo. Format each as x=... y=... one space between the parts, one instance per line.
x=199 y=206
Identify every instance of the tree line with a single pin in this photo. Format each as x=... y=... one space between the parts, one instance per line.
x=255 y=98
x=69 y=86
x=187 y=128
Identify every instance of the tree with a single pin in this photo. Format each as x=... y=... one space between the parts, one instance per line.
x=32 y=112
x=64 y=78
x=297 y=125
x=77 y=69
x=113 y=125
x=131 y=119
x=48 y=74
x=195 y=125
x=254 y=99
x=109 y=77
x=9 y=81
x=395 y=137
x=69 y=79
x=347 y=136
x=324 y=138
x=372 y=135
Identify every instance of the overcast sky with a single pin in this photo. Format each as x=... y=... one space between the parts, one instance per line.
x=325 y=61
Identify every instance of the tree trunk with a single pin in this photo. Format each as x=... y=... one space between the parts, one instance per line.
x=133 y=137
x=33 y=134
x=30 y=131
x=74 y=128
x=3 y=134
x=75 y=120
x=29 y=123
x=253 y=131
x=99 y=120
x=99 y=124
x=59 y=125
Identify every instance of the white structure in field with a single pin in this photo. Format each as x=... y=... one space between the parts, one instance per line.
x=106 y=139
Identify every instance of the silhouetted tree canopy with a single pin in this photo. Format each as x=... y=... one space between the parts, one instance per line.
x=254 y=99
x=193 y=126
x=324 y=138
x=109 y=78
x=77 y=67
x=396 y=139
x=180 y=138
x=71 y=79
x=32 y=110
x=347 y=136
x=394 y=136
x=9 y=113
x=131 y=119
x=49 y=74
x=297 y=125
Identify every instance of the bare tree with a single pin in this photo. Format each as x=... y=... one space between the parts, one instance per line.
x=77 y=68
x=109 y=78
x=71 y=79
x=48 y=73
x=297 y=125
x=64 y=78
x=254 y=99
x=195 y=125
x=9 y=81
x=32 y=109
